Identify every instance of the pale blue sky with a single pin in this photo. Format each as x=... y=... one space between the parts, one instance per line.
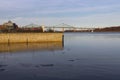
x=81 y=13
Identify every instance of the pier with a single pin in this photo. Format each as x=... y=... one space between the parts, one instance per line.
x=30 y=37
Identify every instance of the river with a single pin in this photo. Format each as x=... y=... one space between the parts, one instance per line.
x=82 y=56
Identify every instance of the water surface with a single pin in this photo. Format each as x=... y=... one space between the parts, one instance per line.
x=84 y=56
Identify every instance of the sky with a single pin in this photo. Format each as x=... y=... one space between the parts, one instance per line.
x=78 y=13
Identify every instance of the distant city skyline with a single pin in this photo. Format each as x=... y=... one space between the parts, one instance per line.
x=78 y=13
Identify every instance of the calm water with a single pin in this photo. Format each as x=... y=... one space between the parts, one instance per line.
x=84 y=56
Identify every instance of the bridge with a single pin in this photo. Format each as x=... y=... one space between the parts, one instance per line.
x=64 y=26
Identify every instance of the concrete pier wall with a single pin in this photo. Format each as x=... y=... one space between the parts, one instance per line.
x=30 y=37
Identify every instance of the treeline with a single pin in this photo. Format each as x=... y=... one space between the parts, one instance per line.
x=108 y=29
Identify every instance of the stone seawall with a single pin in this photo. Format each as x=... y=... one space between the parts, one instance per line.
x=30 y=37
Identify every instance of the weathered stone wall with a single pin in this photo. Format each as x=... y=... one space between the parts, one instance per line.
x=30 y=37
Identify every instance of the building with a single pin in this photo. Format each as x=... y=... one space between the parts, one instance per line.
x=8 y=27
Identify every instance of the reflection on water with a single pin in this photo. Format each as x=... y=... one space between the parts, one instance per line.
x=31 y=46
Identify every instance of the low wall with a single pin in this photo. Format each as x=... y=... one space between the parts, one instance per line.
x=30 y=37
